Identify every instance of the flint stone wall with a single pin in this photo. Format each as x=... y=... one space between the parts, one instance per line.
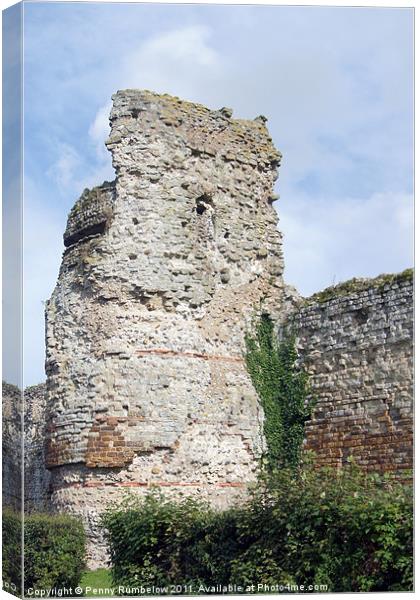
x=358 y=348
x=162 y=273
x=12 y=410
x=36 y=477
x=32 y=429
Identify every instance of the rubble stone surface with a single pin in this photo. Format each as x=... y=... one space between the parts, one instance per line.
x=36 y=475
x=358 y=348
x=12 y=429
x=24 y=419
x=162 y=273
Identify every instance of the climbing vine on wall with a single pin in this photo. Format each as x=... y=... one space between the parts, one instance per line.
x=283 y=389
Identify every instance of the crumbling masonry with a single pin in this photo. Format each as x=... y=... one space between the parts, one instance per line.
x=163 y=271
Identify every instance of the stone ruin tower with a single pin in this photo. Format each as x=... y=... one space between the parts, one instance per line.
x=163 y=270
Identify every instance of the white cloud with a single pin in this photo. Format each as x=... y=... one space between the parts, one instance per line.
x=176 y=62
x=333 y=239
x=63 y=170
x=179 y=46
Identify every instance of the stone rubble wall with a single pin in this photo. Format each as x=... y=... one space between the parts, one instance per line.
x=12 y=410
x=145 y=329
x=91 y=213
x=358 y=347
x=36 y=476
x=32 y=431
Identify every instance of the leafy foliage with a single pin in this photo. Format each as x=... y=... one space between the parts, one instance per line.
x=157 y=541
x=347 y=530
x=12 y=550
x=283 y=390
x=54 y=550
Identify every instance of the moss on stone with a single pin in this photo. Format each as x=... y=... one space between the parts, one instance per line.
x=358 y=284
x=90 y=195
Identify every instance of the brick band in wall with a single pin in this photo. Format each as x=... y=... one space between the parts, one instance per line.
x=151 y=484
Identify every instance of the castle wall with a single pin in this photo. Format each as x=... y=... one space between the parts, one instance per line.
x=162 y=271
x=356 y=340
x=12 y=426
x=36 y=476
x=31 y=430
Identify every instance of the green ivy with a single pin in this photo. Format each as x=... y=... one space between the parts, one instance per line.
x=283 y=389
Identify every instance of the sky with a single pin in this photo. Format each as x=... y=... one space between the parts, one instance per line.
x=336 y=85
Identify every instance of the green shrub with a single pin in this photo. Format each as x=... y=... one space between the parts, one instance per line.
x=54 y=550
x=157 y=541
x=346 y=530
x=12 y=550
